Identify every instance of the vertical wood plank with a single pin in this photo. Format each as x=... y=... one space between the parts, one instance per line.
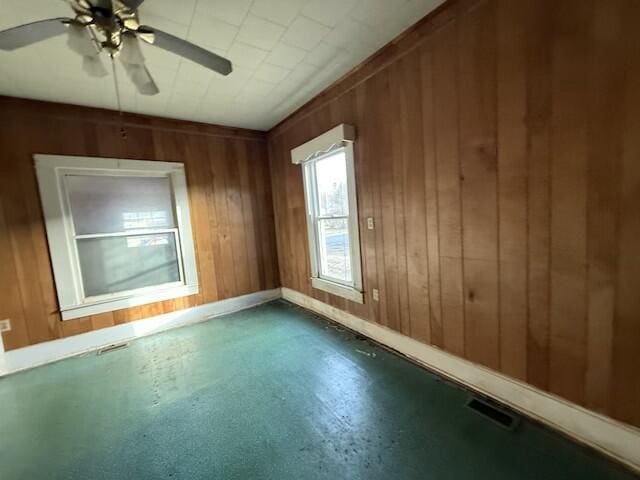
x=414 y=180
x=298 y=235
x=432 y=207
x=366 y=198
x=238 y=241
x=248 y=220
x=256 y=192
x=199 y=185
x=477 y=96
x=512 y=185
x=218 y=149
x=399 y=188
x=264 y=198
x=279 y=212
x=539 y=158
x=445 y=104
x=182 y=154
x=379 y=151
x=388 y=204
x=607 y=76
x=572 y=42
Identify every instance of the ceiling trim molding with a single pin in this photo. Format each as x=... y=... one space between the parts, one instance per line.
x=393 y=51
x=61 y=111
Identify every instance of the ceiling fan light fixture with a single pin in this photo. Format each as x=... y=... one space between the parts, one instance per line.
x=131 y=52
x=94 y=66
x=141 y=78
x=80 y=41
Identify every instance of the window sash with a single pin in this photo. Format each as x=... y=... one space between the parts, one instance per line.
x=75 y=257
x=83 y=298
x=319 y=250
x=134 y=291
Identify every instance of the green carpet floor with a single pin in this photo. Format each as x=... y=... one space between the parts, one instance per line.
x=269 y=393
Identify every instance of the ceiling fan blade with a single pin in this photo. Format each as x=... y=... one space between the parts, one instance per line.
x=141 y=78
x=30 y=33
x=188 y=50
x=131 y=52
x=132 y=4
x=80 y=41
x=94 y=67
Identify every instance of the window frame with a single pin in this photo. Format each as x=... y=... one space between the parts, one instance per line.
x=350 y=290
x=52 y=171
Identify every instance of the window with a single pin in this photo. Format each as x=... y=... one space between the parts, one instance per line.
x=332 y=213
x=119 y=232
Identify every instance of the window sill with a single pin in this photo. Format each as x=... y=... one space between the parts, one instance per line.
x=103 y=306
x=337 y=289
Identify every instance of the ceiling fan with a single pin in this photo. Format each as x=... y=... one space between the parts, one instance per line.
x=111 y=26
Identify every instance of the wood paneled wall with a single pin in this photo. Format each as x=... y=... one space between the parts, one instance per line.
x=498 y=151
x=230 y=201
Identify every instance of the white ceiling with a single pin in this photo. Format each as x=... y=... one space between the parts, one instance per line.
x=283 y=53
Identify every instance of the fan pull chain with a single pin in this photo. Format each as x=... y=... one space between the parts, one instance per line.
x=123 y=132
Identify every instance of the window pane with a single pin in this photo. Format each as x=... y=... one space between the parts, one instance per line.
x=335 y=258
x=331 y=177
x=116 y=264
x=107 y=204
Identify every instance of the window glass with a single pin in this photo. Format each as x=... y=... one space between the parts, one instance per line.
x=108 y=204
x=335 y=256
x=122 y=263
x=331 y=178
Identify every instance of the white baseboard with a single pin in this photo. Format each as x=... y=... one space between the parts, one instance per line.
x=615 y=439
x=43 y=353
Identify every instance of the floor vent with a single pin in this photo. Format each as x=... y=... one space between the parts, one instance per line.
x=112 y=348
x=498 y=415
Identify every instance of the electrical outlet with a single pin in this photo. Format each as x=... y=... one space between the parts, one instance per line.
x=5 y=325
x=376 y=294
x=370 y=223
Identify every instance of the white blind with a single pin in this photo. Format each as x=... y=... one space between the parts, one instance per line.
x=107 y=204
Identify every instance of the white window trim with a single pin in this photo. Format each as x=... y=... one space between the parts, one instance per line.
x=338 y=138
x=50 y=170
